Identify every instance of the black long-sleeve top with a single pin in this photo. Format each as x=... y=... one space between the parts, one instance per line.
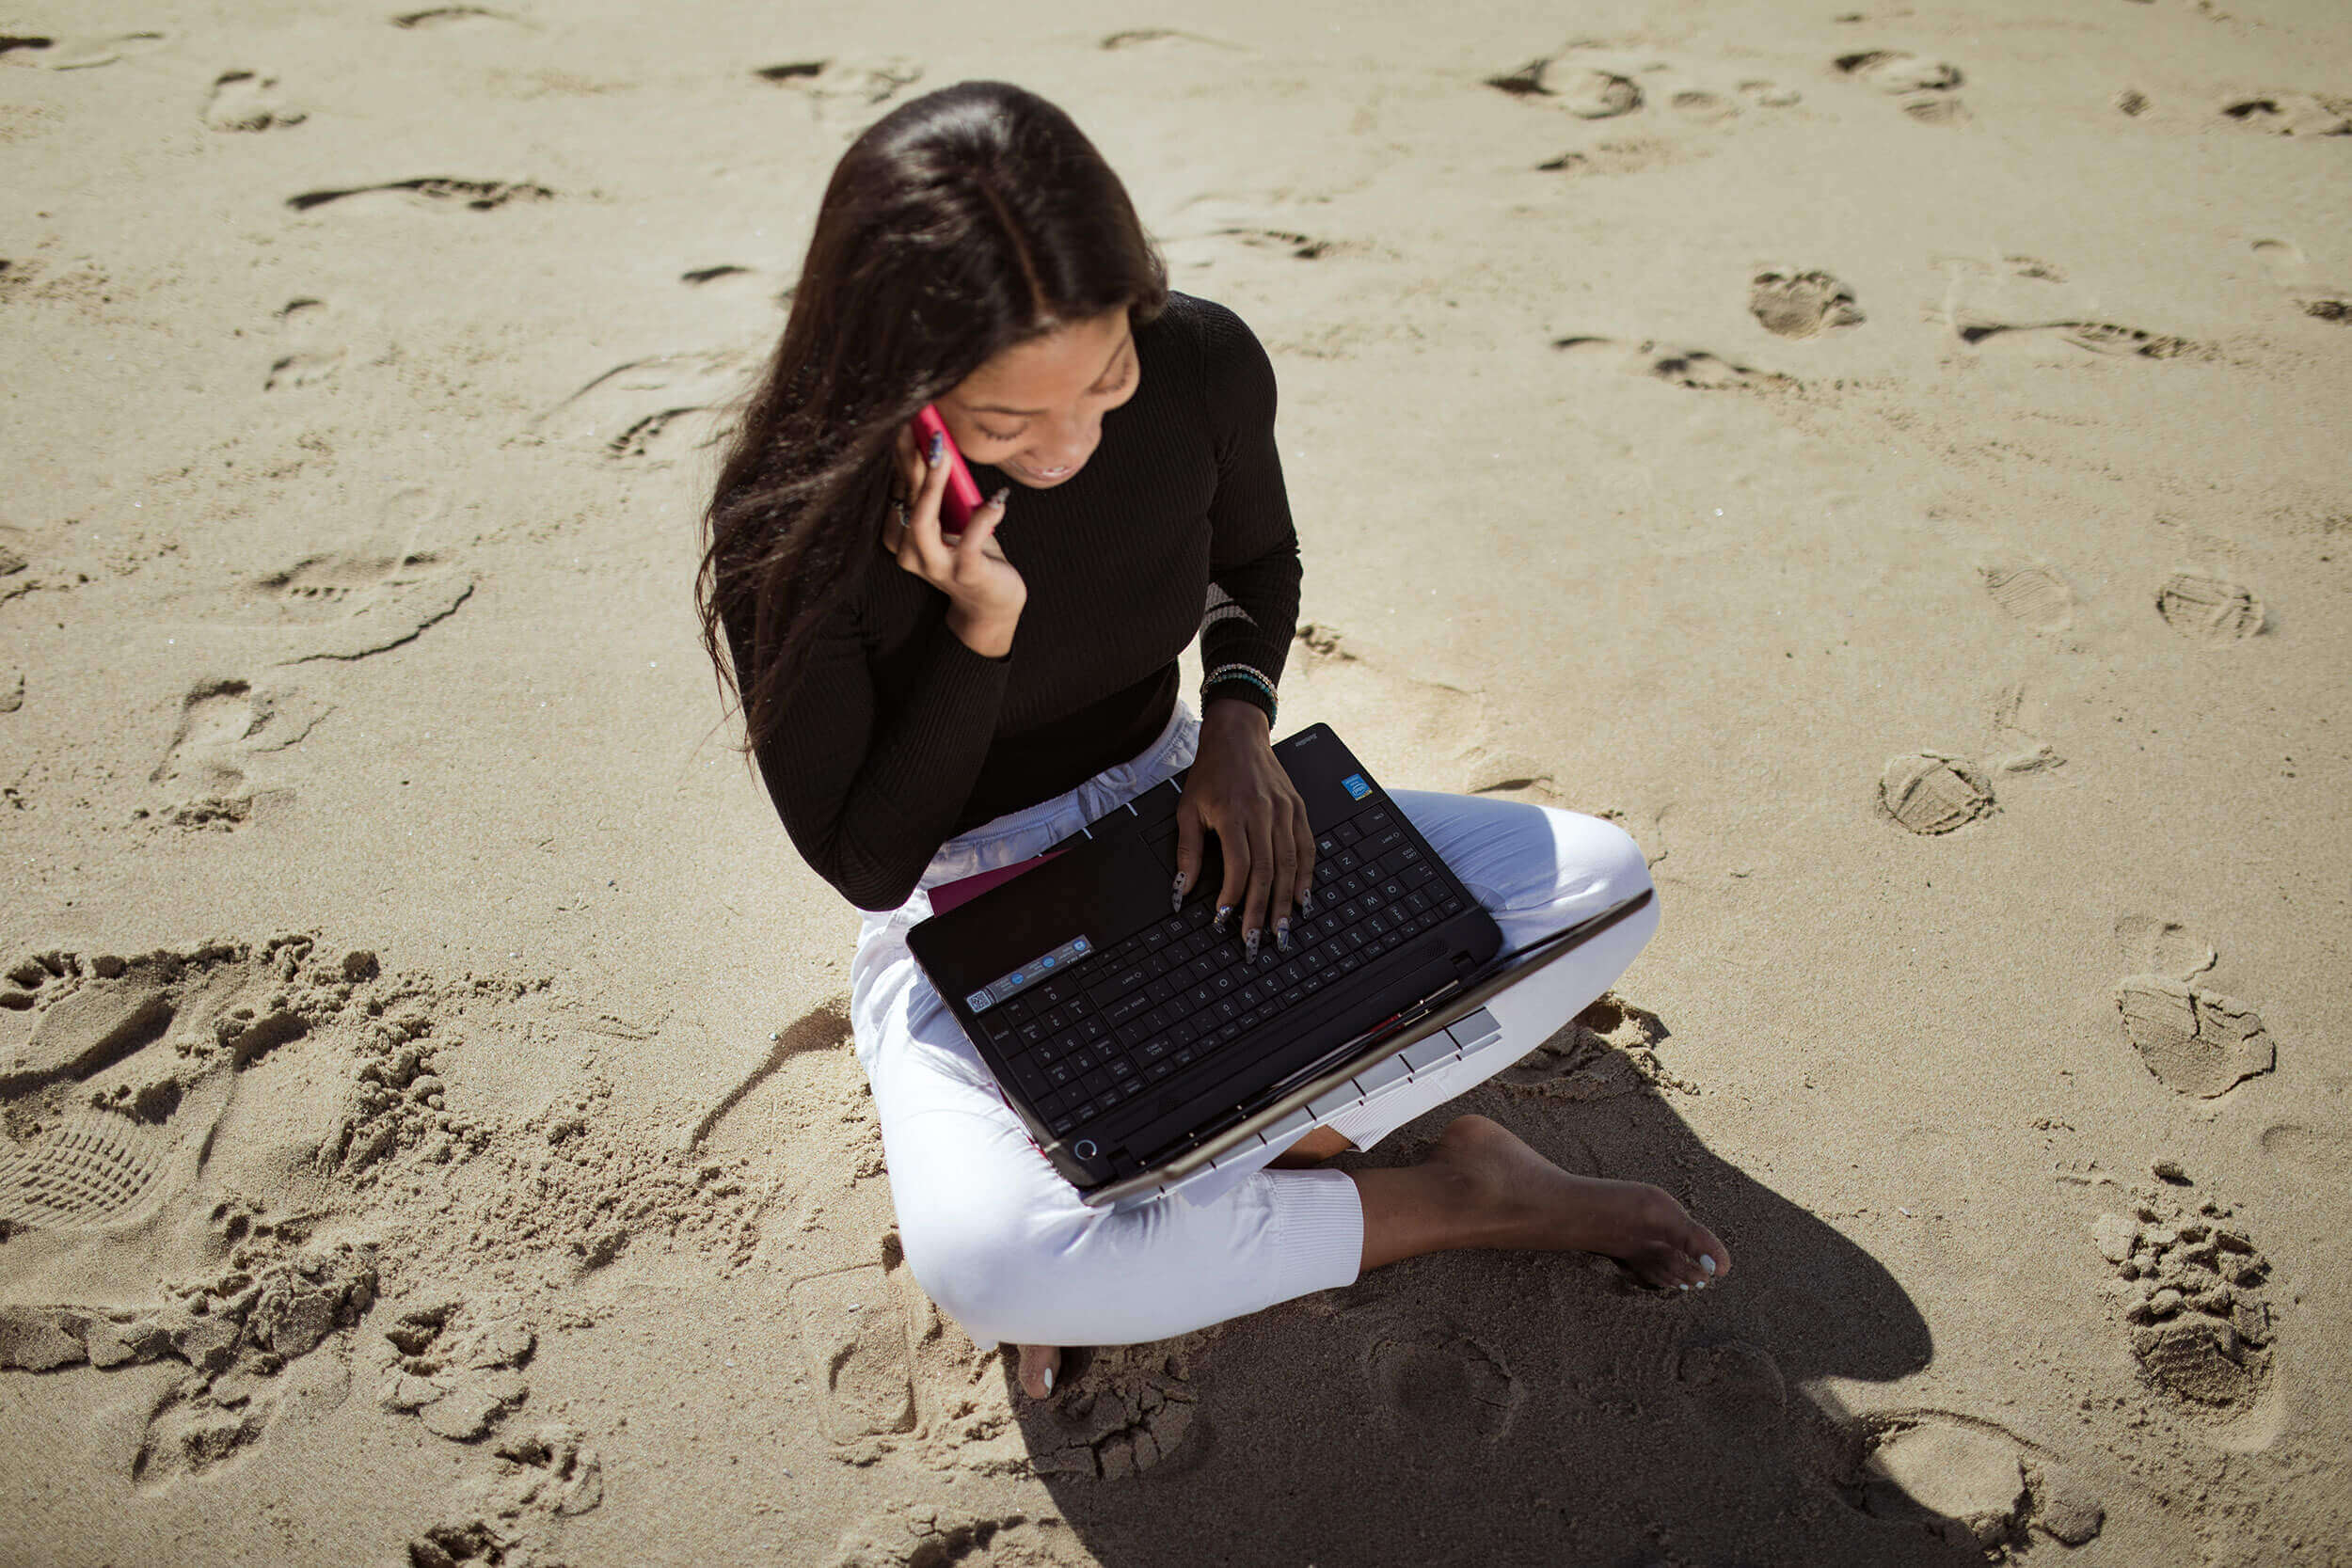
x=898 y=737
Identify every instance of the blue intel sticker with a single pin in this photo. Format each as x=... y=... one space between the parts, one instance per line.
x=1355 y=786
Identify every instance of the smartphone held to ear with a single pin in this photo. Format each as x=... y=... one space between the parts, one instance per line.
x=962 y=496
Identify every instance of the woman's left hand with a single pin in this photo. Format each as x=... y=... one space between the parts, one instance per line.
x=1239 y=792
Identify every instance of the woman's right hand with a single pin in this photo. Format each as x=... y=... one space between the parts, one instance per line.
x=985 y=593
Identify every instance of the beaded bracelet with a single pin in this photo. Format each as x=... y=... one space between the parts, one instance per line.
x=1244 y=673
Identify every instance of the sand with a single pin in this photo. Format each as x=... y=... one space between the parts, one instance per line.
x=1891 y=461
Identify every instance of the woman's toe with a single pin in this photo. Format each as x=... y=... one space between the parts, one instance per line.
x=1708 y=1252
x=1039 y=1366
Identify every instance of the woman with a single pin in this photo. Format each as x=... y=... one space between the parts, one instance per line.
x=926 y=705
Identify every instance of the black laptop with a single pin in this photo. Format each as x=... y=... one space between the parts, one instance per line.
x=1137 y=1044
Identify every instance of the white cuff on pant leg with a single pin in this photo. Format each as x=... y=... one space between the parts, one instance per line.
x=1318 y=1231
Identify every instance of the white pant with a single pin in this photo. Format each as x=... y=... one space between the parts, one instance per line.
x=1001 y=1242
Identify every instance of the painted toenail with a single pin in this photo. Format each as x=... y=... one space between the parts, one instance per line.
x=1049 y=1380
x=1707 y=1262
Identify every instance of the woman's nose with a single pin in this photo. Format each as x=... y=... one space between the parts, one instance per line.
x=1062 y=448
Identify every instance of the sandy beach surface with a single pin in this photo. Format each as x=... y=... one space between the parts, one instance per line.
x=1894 y=461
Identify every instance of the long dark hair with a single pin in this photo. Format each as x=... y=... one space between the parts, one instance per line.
x=962 y=222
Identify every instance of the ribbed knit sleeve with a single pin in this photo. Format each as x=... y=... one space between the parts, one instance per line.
x=868 y=796
x=1253 y=559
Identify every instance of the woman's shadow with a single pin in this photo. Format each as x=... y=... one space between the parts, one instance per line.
x=1502 y=1408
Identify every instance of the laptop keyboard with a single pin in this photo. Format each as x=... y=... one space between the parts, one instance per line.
x=1179 y=992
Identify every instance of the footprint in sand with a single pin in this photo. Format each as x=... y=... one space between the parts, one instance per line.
x=2191 y=1288
x=843 y=90
x=2210 y=610
x=1933 y=792
x=1974 y=1484
x=1732 y=1382
x=1925 y=87
x=226 y=725
x=1590 y=83
x=1695 y=368
x=2034 y=595
x=2290 y=113
x=1146 y=38
x=435 y=191
x=2196 y=1041
x=1441 y=1385
x=854 y=1331
x=658 y=409
x=1769 y=95
x=1975 y=329
x=2316 y=1153
x=459 y=1372
x=1287 y=242
x=81 y=52
x=349 y=605
x=455 y=17
x=114 y=1072
x=728 y=279
x=1607 y=1050
x=1578 y=89
x=247 y=101
x=512 y=1516
x=924 y=1537
x=2284 y=259
x=311 y=346
x=1793 y=304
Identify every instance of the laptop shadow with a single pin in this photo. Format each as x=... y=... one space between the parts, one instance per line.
x=1516 y=1408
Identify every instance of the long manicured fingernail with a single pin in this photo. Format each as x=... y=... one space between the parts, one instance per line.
x=1223 y=912
x=997 y=499
x=1176 y=899
x=1283 y=933
x=939 y=444
x=1306 y=895
x=1707 y=1262
x=1049 y=1380
x=1249 y=945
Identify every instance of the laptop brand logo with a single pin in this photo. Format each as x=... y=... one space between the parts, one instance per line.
x=1355 y=786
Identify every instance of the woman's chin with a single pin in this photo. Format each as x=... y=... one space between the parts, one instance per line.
x=1035 y=480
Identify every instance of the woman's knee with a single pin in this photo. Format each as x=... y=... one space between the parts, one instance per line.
x=1597 y=854
x=967 y=1259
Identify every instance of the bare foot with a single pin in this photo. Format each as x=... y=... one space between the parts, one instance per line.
x=1039 y=1366
x=1524 y=1200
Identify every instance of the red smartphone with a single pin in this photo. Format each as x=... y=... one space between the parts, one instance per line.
x=962 y=497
